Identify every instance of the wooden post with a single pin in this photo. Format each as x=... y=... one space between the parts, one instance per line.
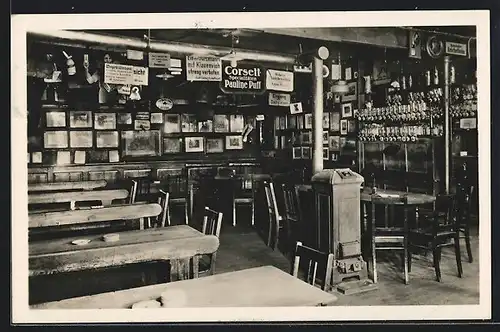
x=447 y=128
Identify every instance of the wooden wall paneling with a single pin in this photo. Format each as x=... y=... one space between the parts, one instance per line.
x=38 y=178
x=163 y=173
x=136 y=173
x=110 y=176
x=68 y=176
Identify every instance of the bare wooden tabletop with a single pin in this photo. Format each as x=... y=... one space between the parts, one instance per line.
x=265 y=286
x=72 y=185
x=80 y=196
x=173 y=242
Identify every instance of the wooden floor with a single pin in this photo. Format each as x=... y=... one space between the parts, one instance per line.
x=241 y=248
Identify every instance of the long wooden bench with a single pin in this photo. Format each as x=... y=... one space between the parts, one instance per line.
x=178 y=243
x=67 y=186
x=81 y=216
x=106 y=197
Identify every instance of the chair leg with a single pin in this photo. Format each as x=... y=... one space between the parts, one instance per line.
x=436 y=253
x=186 y=213
x=406 y=266
x=374 y=260
x=467 y=243
x=458 y=256
x=234 y=213
x=409 y=259
x=253 y=213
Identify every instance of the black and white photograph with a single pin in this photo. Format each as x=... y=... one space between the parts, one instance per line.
x=383 y=214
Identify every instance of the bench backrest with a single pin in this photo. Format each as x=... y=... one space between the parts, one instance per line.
x=105 y=196
x=72 y=185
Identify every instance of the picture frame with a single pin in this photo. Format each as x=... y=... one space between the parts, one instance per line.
x=106 y=139
x=221 y=123
x=335 y=121
x=351 y=126
x=80 y=157
x=306 y=137
x=63 y=158
x=172 y=145
x=297 y=152
x=56 y=139
x=292 y=121
x=282 y=122
x=326 y=120
x=234 y=142
x=334 y=143
x=113 y=156
x=306 y=152
x=194 y=144
x=81 y=139
x=55 y=119
x=205 y=126
x=326 y=154
x=343 y=127
x=124 y=118
x=156 y=117
x=80 y=119
x=236 y=123
x=300 y=121
x=104 y=121
x=215 y=145
x=172 y=124
x=36 y=157
x=347 y=110
x=352 y=94
x=325 y=137
x=189 y=124
x=139 y=143
x=308 y=120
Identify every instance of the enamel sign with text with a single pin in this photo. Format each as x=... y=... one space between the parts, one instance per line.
x=242 y=79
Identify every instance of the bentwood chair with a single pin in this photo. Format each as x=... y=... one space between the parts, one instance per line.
x=389 y=237
x=176 y=186
x=163 y=198
x=212 y=222
x=243 y=194
x=464 y=213
x=274 y=218
x=436 y=232
x=318 y=265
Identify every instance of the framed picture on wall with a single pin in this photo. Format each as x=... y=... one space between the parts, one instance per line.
x=326 y=154
x=308 y=121
x=234 y=142
x=351 y=126
x=194 y=144
x=343 y=127
x=335 y=121
x=326 y=120
x=297 y=152
x=306 y=137
x=346 y=110
x=113 y=156
x=236 y=123
x=325 y=137
x=124 y=118
x=138 y=143
x=156 y=118
x=353 y=92
x=221 y=123
x=55 y=139
x=104 y=121
x=80 y=157
x=300 y=121
x=292 y=121
x=334 y=143
x=189 y=123
x=55 y=119
x=80 y=139
x=205 y=126
x=80 y=119
x=106 y=139
x=306 y=152
x=215 y=145
x=172 y=123
x=172 y=145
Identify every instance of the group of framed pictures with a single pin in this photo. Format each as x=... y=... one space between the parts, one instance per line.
x=202 y=144
x=220 y=123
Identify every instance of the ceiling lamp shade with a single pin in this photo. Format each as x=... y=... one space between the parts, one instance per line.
x=233 y=57
x=340 y=87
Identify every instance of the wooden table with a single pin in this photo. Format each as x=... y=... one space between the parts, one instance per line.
x=167 y=243
x=105 y=196
x=65 y=186
x=265 y=286
x=80 y=216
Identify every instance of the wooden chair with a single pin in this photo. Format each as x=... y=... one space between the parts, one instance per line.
x=436 y=232
x=290 y=213
x=212 y=222
x=314 y=260
x=142 y=188
x=176 y=186
x=243 y=194
x=389 y=238
x=163 y=199
x=464 y=212
x=273 y=214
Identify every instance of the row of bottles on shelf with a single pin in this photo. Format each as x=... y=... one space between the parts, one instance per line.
x=463 y=101
x=414 y=111
x=378 y=132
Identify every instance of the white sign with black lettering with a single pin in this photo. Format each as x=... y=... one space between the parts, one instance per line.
x=279 y=80
x=203 y=68
x=279 y=99
x=296 y=108
x=140 y=75
x=456 y=49
x=118 y=74
x=159 y=60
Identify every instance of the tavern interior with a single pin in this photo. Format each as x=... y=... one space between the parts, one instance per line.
x=345 y=140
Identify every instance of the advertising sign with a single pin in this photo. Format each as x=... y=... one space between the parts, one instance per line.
x=296 y=108
x=140 y=76
x=203 y=68
x=118 y=74
x=279 y=99
x=159 y=60
x=279 y=80
x=456 y=48
x=242 y=79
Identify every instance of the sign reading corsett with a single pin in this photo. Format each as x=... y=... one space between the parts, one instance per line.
x=244 y=78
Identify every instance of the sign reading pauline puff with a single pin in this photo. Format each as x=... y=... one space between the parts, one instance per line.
x=242 y=78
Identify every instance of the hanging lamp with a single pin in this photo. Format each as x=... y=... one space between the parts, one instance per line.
x=340 y=87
